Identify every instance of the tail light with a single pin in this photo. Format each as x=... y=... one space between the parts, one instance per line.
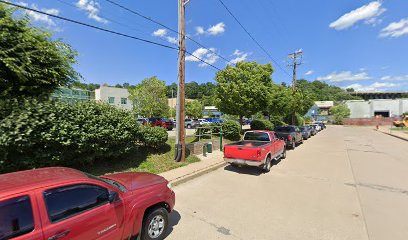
x=290 y=138
x=258 y=153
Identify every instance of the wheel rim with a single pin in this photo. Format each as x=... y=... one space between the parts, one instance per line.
x=156 y=226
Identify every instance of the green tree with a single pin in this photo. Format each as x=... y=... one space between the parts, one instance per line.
x=279 y=102
x=31 y=63
x=192 y=90
x=149 y=98
x=340 y=112
x=172 y=90
x=194 y=109
x=321 y=91
x=242 y=89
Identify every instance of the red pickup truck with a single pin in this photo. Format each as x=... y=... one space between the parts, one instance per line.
x=63 y=203
x=258 y=148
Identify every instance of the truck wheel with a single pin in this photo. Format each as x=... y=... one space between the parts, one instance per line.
x=155 y=224
x=267 y=167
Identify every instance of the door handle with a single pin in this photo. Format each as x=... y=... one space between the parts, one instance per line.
x=59 y=235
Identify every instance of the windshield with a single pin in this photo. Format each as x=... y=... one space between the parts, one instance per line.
x=284 y=129
x=108 y=181
x=257 y=136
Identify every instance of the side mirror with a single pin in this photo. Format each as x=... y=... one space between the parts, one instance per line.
x=113 y=196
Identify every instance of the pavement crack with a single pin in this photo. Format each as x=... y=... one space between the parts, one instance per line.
x=379 y=188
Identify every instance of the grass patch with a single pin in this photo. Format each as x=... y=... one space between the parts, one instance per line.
x=143 y=160
x=399 y=128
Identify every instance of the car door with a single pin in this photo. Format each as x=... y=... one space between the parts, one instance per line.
x=19 y=218
x=81 y=211
x=273 y=145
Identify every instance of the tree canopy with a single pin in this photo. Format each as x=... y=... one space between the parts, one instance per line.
x=194 y=109
x=31 y=62
x=243 y=89
x=321 y=91
x=149 y=98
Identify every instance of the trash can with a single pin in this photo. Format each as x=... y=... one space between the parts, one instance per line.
x=209 y=147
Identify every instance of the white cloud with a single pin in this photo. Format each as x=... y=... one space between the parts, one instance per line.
x=375 y=87
x=309 y=72
x=369 y=13
x=216 y=29
x=207 y=55
x=395 y=29
x=92 y=7
x=344 y=76
x=200 y=30
x=38 y=17
x=395 y=78
x=212 y=30
x=162 y=33
x=239 y=57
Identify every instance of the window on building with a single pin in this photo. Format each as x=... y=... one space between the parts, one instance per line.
x=111 y=100
x=123 y=100
x=16 y=217
x=63 y=203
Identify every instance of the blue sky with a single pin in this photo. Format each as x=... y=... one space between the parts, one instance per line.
x=356 y=43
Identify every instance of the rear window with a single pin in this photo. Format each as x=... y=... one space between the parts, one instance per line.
x=257 y=136
x=16 y=217
x=284 y=129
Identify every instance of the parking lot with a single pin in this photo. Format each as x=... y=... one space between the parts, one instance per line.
x=344 y=183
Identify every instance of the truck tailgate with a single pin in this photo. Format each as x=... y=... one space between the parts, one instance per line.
x=243 y=150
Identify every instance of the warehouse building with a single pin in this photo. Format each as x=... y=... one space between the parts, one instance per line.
x=377 y=107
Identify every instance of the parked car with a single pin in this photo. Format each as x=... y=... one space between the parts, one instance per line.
x=190 y=123
x=214 y=120
x=321 y=124
x=162 y=122
x=317 y=127
x=258 y=148
x=202 y=122
x=291 y=134
x=63 y=203
x=313 y=130
x=143 y=121
x=306 y=132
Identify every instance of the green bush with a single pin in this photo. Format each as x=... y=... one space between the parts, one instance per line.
x=153 y=136
x=231 y=130
x=277 y=121
x=261 y=125
x=45 y=133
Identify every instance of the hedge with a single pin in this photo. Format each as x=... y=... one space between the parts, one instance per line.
x=37 y=134
x=231 y=130
x=261 y=125
x=153 y=136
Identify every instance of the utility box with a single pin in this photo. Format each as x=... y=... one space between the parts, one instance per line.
x=209 y=147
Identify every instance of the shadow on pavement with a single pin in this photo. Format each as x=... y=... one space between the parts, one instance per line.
x=174 y=219
x=255 y=171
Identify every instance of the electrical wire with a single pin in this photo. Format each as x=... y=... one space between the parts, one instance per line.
x=105 y=30
x=253 y=39
x=166 y=27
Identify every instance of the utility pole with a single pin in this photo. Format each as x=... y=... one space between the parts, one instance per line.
x=180 y=135
x=297 y=60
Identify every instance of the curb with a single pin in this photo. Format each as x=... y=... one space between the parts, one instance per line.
x=196 y=174
x=393 y=135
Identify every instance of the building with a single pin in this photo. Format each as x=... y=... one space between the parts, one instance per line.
x=320 y=110
x=172 y=102
x=377 y=107
x=72 y=94
x=118 y=97
x=380 y=95
x=211 y=111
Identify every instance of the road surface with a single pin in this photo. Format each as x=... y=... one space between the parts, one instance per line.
x=345 y=183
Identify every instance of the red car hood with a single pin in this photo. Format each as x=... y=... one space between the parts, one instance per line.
x=134 y=181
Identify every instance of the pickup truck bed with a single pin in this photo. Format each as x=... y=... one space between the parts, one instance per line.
x=248 y=144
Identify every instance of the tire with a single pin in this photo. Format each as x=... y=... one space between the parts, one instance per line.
x=283 y=156
x=155 y=224
x=293 y=145
x=189 y=126
x=267 y=166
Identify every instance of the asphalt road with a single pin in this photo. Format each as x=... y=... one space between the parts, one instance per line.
x=344 y=183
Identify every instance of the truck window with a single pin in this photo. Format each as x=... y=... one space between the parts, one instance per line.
x=68 y=201
x=256 y=136
x=16 y=217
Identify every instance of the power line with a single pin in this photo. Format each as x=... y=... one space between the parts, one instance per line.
x=105 y=30
x=166 y=27
x=253 y=39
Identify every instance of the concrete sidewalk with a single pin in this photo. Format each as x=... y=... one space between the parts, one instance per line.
x=398 y=134
x=207 y=164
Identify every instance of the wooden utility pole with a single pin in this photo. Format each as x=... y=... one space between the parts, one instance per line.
x=297 y=60
x=180 y=135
